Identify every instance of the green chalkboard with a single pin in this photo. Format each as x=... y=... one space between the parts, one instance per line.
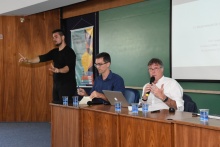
x=133 y=35
x=136 y=33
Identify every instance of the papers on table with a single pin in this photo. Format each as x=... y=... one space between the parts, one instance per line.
x=213 y=116
x=85 y=99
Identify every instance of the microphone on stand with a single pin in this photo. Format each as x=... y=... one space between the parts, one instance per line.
x=152 y=79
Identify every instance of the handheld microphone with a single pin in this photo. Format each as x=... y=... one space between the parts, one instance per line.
x=152 y=79
x=93 y=103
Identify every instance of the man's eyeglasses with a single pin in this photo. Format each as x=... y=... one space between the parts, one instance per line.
x=154 y=69
x=99 y=64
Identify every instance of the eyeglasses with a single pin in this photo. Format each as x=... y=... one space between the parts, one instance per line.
x=154 y=69
x=99 y=64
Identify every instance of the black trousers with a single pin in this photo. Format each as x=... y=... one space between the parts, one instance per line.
x=63 y=89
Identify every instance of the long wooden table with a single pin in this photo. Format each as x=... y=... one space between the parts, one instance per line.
x=101 y=126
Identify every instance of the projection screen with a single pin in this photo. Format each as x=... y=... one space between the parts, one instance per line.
x=195 y=39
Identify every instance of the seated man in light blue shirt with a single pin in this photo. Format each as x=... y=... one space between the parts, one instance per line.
x=107 y=80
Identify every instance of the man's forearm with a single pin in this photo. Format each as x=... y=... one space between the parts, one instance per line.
x=65 y=69
x=171 y=103
x=33 y=60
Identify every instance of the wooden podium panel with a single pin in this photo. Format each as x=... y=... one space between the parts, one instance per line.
x=100 y=127
x=137 y=131
x=65 y=126
x=192 y=132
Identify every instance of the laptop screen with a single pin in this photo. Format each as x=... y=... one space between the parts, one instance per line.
x=114 y=96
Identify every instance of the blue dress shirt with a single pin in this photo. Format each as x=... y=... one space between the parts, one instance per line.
x=113 y=82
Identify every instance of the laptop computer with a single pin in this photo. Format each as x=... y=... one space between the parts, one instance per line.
x=114 y=96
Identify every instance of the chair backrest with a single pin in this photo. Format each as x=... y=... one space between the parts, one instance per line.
x=132 y=95
x=189 y=104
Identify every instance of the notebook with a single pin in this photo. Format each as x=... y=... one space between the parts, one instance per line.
x=114 y=96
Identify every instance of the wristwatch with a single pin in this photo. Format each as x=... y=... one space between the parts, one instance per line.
x=144 y=100
x=165 y=99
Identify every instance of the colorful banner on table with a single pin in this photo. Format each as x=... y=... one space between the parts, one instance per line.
x=82 y=44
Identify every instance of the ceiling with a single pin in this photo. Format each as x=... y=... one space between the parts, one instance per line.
x=28 y=7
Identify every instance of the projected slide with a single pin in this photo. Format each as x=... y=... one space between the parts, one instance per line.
x=195 y=41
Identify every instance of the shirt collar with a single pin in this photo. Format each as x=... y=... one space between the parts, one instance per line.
x=161 y=79
x=109 y=76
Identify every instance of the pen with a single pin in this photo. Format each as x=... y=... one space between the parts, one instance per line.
x=21 y=55
x=195 y=114
x=210 y=116
x=78 y=89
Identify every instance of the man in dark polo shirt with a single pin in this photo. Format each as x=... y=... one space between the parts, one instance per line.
x=107 y=80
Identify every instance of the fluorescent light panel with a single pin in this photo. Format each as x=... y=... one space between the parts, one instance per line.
x=11 y=5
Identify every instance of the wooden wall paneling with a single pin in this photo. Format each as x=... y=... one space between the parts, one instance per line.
x=94 y=6
x=26 y=90
x=23 y=99
x=40 y=70
x=10 y=64
x=1 y=71
x=41 y=43
x=52 y=22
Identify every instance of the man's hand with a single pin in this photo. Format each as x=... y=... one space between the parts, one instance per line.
x=96 y=94
x=158 y=92
x=81 y=92
x=147 y=88
x=22 y=59
x=53 y=69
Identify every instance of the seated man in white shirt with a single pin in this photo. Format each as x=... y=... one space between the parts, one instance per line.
x=164 y=92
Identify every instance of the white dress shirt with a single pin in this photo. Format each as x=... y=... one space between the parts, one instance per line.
x=172 y=90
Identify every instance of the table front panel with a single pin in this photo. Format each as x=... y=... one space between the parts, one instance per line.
x=65 y=126
x=100 y=129
x=136 y=132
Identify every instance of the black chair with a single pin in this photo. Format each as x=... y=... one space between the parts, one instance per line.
x=132 y=95
x=189 y=104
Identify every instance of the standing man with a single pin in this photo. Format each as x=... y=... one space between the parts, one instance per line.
x=63 y=67
x=164 y=92
x=107 y=80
